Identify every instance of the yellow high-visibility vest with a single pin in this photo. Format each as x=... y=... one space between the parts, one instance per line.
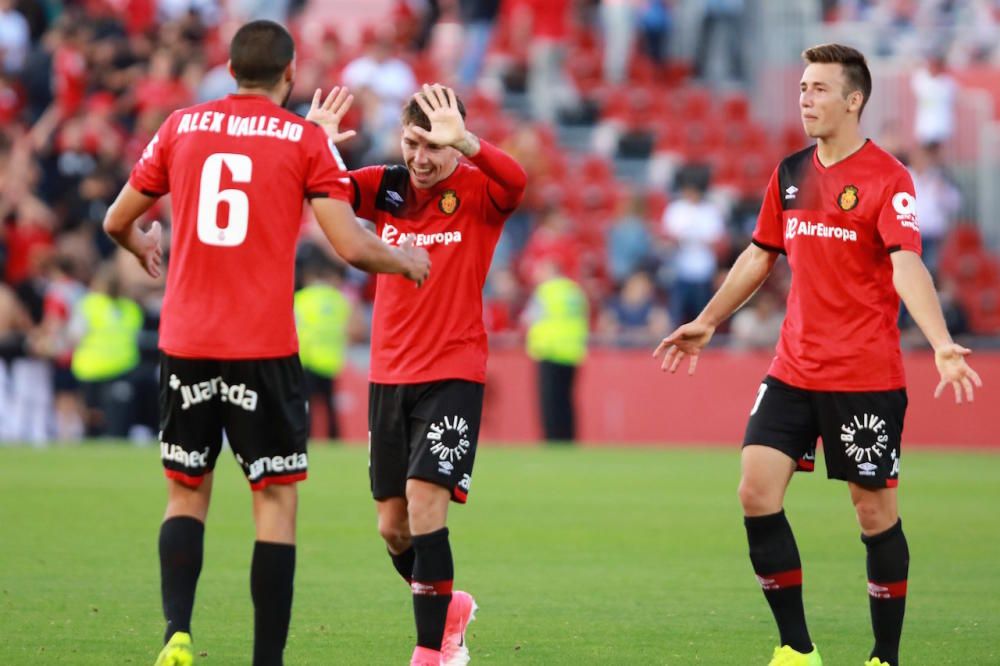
x=321 y=315
x=110 y=347
x=559 y=334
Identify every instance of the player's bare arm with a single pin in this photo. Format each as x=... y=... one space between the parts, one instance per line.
x=363 y=249
x=329 y=113
x=916 y=288
x=120 y=224
x=447 y=125
x=747 y=274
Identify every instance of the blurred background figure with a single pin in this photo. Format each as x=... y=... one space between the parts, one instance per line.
x=479 y=18
x=938 y=200
x=558 y=320
x=721 y=28
x=758 y=323
x=633 y=317
x=106 y=326
x=695 y=225
x=936 y=93
x=381 y=82
x=323 y=317
x=619 y=20
x=656 y=22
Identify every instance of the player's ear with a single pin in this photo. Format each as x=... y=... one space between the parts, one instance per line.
x=289 y=74
x=855 y=100
x=229 y=66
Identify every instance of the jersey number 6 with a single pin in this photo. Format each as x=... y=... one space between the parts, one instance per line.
x=210 y=196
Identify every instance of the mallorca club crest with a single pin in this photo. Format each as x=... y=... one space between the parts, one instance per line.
x=449 y=202
x=848 y=199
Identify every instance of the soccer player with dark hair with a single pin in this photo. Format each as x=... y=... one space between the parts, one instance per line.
x=238 y=170
x=843 y=212
x=429 y=347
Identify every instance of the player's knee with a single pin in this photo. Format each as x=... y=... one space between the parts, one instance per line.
x=757 y=499
x=395 y=534
x=874 y=517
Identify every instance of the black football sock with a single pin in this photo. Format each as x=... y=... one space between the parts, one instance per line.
x=775 y=559
x=182 y=541
x=433 y=572
x=272 y=574
x=404 y=563
x=888 y=566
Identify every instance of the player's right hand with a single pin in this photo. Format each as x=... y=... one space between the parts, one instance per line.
x=149 y=252
x=331 y=112
x=950 y=361
x=418 y=262
x=688 y=340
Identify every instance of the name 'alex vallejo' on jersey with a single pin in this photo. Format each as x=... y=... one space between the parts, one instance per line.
x=219 y=122
x=838 y=226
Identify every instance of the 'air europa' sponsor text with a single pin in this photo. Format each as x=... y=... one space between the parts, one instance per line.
x=796 y=227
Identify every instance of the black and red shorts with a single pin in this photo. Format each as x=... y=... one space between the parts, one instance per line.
x=259 y=404
x=862 y=431
x=423 y=431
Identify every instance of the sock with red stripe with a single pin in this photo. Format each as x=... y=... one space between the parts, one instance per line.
x=182 y=540
x=404 y=563
x=433 y=572
x=272 y=576
x=775 y=559
x=888 y=566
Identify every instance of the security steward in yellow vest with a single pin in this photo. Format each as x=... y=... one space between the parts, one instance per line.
x=107 y=327
x=557 y=340
x=322 y=315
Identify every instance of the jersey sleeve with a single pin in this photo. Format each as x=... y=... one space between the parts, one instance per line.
x=151 y=175
x=505 y=180
x=769 y=233
x=326 y=175
x=366 y=183
x=897 y=220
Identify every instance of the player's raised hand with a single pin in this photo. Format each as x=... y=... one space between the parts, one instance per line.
x=148 y=249
x=419 y=268
x=331 y=112
x=688 y=340
x=441 y=107
x=950 y=361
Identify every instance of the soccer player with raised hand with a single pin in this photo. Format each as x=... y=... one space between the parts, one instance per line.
x=238 y=170
x=843 y=212
x=429 y=346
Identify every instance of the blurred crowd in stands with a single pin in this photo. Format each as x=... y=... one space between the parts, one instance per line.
x=579 y=91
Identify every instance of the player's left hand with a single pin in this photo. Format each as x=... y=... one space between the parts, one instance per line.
x=331 y=112
x=950 y=361
x=149 y=251
x=441 y=107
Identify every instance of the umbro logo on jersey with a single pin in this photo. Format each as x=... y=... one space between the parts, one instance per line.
x=393 y=198
x=790 y=192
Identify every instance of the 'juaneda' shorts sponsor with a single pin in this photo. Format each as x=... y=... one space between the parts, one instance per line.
x=260 y=405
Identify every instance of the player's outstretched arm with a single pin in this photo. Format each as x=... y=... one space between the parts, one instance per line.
x=916 y=287
x=363 y=249
x=120 y=224
x=745 y=277
x=329 y=113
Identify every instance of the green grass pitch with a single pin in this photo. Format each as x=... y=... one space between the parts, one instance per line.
x=576 y=556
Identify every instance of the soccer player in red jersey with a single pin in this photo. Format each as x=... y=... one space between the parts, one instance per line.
x=429 y=348
x=843 y=213
x=227 y=334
